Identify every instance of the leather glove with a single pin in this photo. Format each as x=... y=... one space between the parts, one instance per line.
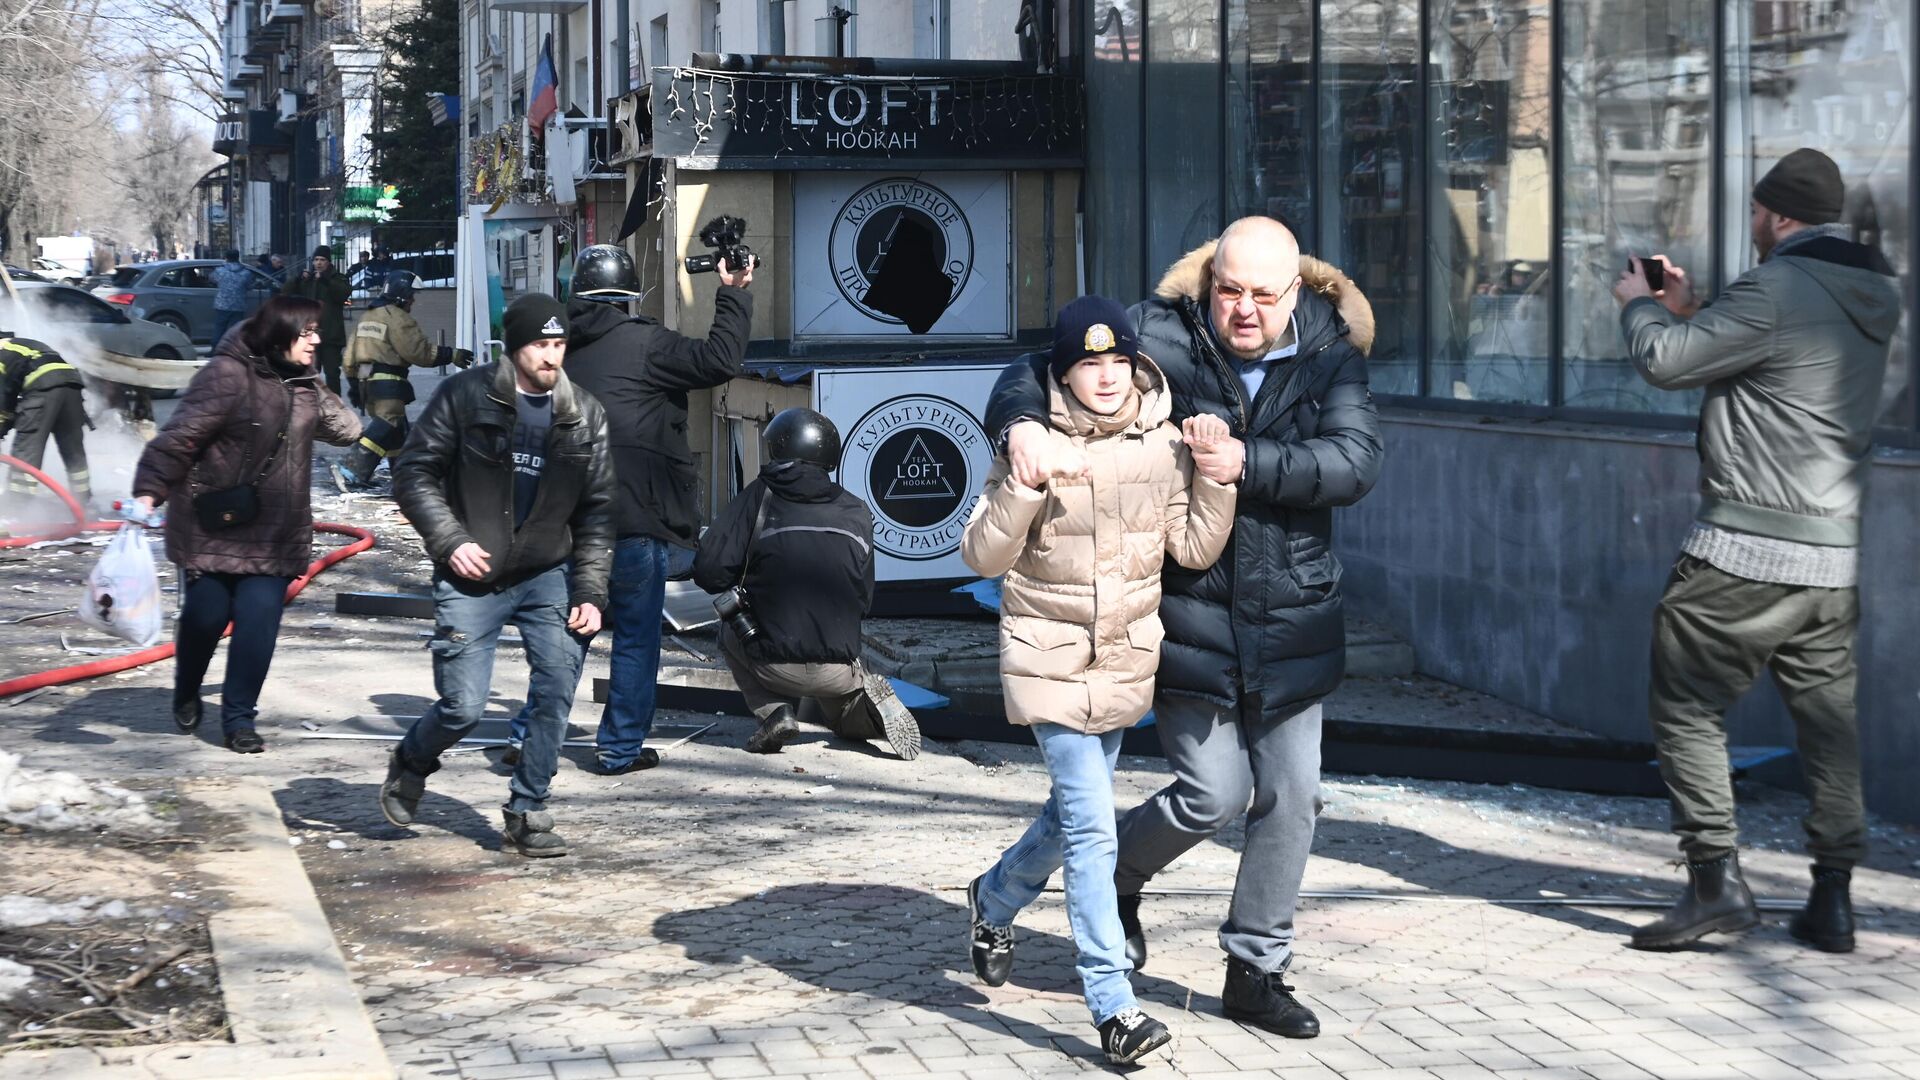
x=463 y=358
x=353 y=393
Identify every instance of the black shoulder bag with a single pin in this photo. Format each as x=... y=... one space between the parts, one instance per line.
x=229 y=507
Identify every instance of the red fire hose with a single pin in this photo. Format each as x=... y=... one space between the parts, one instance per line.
x=362 y=540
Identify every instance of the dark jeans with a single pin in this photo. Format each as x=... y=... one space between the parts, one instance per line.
x=223 y=321
x=1221 y=759
x=253 y=603
x=1713 y=634
x=327 y=359
x=636 y=602
x=468 y=627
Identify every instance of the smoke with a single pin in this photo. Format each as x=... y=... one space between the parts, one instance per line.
x=114 y=442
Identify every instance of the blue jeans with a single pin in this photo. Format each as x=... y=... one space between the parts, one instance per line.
x=223 y=321
x=468 y=623
x=636 y=602
x=1074 y=829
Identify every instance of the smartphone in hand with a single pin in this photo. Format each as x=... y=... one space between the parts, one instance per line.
x=1654 y=270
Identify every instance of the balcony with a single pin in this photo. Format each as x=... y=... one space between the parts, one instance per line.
x=282 y=14
x=630 y=135
x=588 y=156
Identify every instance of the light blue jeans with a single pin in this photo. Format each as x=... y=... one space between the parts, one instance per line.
x=1075 y=830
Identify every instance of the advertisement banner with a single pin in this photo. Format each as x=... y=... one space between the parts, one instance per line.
x=913 y=448
x=880 y=255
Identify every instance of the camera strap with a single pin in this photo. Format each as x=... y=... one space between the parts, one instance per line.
x=759 y=523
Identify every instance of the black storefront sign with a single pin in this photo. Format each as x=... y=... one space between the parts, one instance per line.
x=744 y=120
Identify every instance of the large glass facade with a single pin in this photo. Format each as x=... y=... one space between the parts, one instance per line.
x=1636 y=131
x=1484 y=168
x=1369 y=171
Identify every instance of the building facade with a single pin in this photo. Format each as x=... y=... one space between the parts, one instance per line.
x=300 y=86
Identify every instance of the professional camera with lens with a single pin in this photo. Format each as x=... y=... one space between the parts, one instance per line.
x=733 y=609
x=724 y=235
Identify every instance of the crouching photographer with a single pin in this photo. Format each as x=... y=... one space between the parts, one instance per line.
x=791 y=559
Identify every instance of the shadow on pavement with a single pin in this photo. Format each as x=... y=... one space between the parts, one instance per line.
x=324 y=803
x=900 y=945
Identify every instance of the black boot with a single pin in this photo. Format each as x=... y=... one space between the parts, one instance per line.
x=774 y=732
x=1264 y=1000
x=401 y=791
x=187 y=712
x=532 y=835
x=1826 y=923
x=1130 y=925
x=1716 y=900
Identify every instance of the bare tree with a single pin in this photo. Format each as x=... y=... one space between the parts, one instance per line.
x=179 y=40
x=50 y=53
x=159 y=161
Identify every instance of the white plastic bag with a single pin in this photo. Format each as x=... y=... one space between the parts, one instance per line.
x=123 y=591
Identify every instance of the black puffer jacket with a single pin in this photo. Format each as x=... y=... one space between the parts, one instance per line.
x=454 y=482
x=1266 y=621
x=809 y=576
x=641 y=371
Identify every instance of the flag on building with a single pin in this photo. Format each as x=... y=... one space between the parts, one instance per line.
x=545 y=97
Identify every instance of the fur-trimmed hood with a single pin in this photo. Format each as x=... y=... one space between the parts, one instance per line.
x=1191 y=276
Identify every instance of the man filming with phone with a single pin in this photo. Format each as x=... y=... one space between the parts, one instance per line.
x=1792 y=355
x=642 y=372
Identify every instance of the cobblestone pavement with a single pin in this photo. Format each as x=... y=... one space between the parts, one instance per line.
x=728 y=915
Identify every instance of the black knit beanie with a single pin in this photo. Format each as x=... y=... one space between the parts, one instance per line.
x=530 y=317
x=1804 y=186
x=1087 y=327
x=323 y=252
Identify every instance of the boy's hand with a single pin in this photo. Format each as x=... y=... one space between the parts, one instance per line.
x=1204 y=432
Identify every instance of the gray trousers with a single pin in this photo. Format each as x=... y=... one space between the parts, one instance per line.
x=837 y=690
x=1713 y=634
x=1220 y=760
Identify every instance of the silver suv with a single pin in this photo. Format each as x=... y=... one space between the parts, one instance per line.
x=177 y=293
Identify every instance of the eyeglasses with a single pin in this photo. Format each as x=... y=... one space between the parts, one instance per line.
x=1261 y=297
x=310 y=331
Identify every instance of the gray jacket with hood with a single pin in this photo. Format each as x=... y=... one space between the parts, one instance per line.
x=1792 y=354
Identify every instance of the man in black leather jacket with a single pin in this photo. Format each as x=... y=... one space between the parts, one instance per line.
x=508 y=479
x=1275 y=344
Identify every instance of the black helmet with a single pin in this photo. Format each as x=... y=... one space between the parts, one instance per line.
x=605 y=272
x=803 y=435
x=398 y=288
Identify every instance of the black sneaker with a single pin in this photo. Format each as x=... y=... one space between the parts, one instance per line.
x=245 y=741
x=647 y=758
x=1130 y=925
x=1130 y=1035
x=187 y=712
x=992 y=946
x=401 y=791
x=532 y=835
x=902 y=730
x=1264 y=1000
x=511 y=755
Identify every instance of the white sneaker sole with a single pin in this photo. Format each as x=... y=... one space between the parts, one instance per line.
x=903 y=731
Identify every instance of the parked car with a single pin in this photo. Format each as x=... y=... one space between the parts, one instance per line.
x=19 y=274
x=177 y=293
x=104 y=324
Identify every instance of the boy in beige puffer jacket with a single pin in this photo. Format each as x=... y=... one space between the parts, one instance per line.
x=1080 y=634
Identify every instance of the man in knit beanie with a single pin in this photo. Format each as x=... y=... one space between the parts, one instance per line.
x=508 y=480
x=1792 y=356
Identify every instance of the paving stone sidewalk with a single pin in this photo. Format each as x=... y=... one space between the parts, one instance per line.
x=729 y=915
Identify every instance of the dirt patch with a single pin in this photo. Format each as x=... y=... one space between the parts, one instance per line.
x=104 y=941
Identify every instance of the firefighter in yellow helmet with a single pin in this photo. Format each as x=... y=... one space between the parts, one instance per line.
x=40 y=399
x=385 y=343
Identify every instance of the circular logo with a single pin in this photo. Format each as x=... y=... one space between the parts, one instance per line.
x=918 y=461
x=895 y=245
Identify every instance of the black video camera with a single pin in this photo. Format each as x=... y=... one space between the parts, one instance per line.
x=733 y=609
x=723 y=234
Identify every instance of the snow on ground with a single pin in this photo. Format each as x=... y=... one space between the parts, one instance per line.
x=13 y=978
x=61 y=800
x=19 y=912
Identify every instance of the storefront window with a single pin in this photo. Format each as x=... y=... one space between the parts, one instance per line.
x=1183 y=129
x=1836 y=76
x=1368 y=171
x=1270 y=113
x=1489 y=200
x=1636 y=133
x=1114 y=66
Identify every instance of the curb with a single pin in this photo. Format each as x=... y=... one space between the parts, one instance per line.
x=291 y=1004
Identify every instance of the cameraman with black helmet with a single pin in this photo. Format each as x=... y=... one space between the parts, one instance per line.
x=791 y=558
x=642 y=372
